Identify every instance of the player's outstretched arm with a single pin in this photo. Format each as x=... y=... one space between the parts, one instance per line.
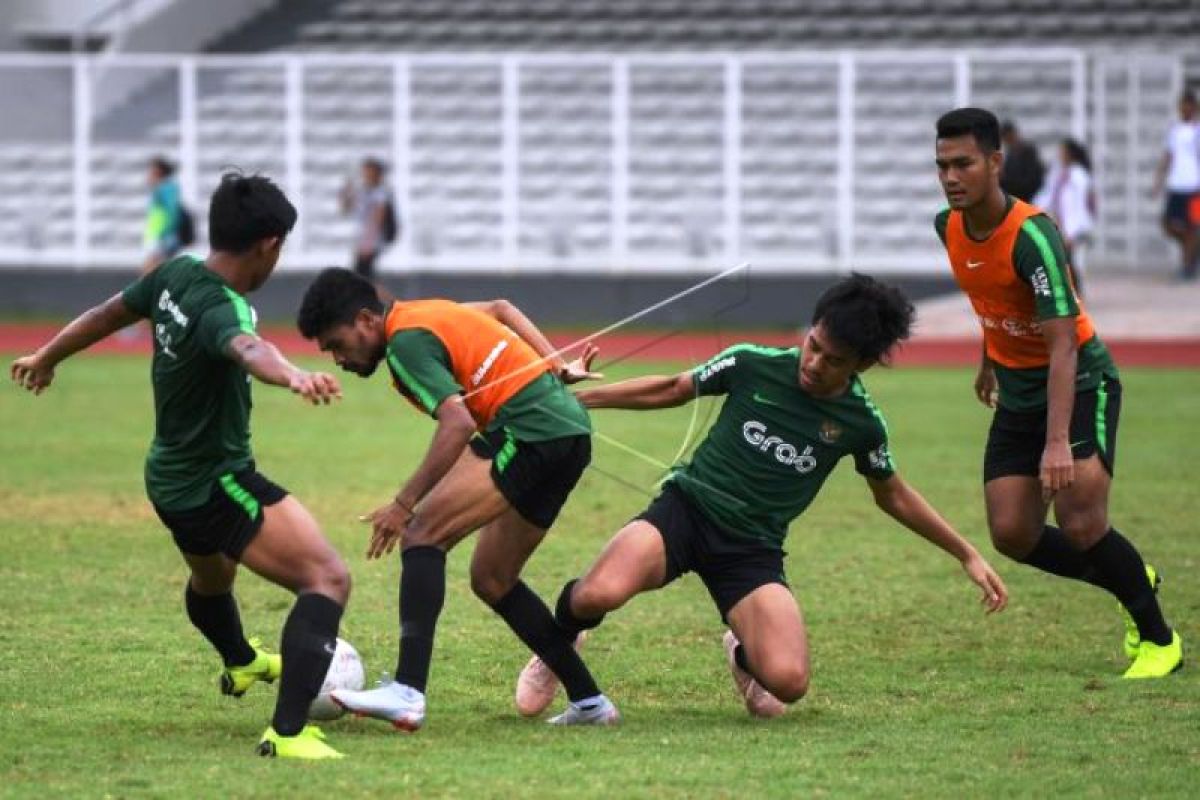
x=904 y=504
x=264 y=361
x=35 y=372
x=455 y=428
x=569 y=371
x=652 y=391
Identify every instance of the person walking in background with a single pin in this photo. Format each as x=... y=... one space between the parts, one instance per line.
x=1023 y=170
x=1068 y=197
x=370 y=202
x=168 y=225
x=1179 y=171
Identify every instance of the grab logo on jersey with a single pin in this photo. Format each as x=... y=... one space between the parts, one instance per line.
x=755 y=433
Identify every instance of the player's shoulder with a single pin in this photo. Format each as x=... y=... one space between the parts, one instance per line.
x=748 y=355
x=869 y=411
x=941 y=221
x=1037 y=232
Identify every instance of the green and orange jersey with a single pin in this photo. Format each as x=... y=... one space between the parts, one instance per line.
x=438 y=348
x=201 y=397
x=1016 y=279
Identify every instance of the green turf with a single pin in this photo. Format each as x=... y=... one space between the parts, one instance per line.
x=106 y=690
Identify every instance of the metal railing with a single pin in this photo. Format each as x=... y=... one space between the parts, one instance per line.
x=868 y=185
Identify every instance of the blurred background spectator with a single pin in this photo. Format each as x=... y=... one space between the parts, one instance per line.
x=1023 y=170
x=1179 y=171
x=369 y=201
x=1069 y=198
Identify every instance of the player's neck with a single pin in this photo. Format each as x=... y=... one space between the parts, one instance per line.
x=982 y=219
x=230 y=268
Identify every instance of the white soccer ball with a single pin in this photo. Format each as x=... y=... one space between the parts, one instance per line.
x=345 y=672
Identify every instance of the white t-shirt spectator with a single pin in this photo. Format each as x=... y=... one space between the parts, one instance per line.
x=1067 y=197
x=1183 y=144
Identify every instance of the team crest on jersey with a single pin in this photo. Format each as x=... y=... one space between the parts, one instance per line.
x=830 y=432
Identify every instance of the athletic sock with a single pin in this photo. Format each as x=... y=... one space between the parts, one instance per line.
x=566 y=618
x=216 y=616
x=1055 y=554
x=309 y=641
x=1119 y=569
x=534 y=625
x=422 y=594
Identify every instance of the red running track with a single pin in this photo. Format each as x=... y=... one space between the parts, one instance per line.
x=665 y=346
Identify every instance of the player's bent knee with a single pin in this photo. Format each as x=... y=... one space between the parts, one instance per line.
x=331 y=578
x=788 y=683
x=491 y=587
x=1012 y=538
x=1085 y=529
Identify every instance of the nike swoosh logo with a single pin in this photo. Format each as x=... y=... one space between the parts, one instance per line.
x=766 y=401
x=974 y=264
x=1073 y=445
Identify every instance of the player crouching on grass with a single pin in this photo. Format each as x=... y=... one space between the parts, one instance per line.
x=510 y=445
x=789 y=416
x=200 y=472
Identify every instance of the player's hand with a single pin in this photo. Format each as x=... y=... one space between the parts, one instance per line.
x=1057 y=470
x=387 y=528
x=30 y=373
x=581 y=368
x=986 y=386
x=995 y=593
x=318 y=388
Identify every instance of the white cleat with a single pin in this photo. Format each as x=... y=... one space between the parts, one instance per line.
x=759 y=702
x=537 y=684
x=401 y=705
x=597 y=711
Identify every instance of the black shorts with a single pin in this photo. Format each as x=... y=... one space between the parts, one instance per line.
x=730 y=566
x=230 y=518
x=1017 y=438
x=535 y=477
x=1178 y=209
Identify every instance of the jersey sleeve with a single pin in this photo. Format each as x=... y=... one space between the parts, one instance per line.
x=1040 y=259
x=139 y=295
x=874 y=460
x=940 y=222
x=422 y=365
x=718 y=374
x=223 y=321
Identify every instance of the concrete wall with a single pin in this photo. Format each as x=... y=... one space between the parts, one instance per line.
x=560 y=300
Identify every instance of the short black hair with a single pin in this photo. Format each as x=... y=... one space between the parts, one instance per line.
x=246 y=209
x=1188 y=96
x=977 y=122
x=335 y=298
x=164 y=167
x=865 y=315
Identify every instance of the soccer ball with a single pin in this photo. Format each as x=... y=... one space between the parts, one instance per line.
x=345 y=672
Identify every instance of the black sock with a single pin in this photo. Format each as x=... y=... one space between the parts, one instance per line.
x=566 y=618
x=216 y=616
x=739 y=658
x=1120 y=570
x=1055 y=554
x=309 y=640
x=422 y=594
x=533 y=624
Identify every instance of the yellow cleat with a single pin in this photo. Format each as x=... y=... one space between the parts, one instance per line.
x=1157 y=660
x=1132 y=637
x=265 y=667
x=308 y=744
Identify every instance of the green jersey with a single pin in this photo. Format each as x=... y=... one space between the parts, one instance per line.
x=544 y=409
x=201 y=397
x=773 y=444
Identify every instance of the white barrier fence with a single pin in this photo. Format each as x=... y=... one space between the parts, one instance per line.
x=674 y=162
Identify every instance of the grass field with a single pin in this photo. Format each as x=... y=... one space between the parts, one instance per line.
x=107 y=691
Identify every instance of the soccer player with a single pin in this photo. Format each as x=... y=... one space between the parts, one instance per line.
x=200 y=473
x=510 y=445
x=1053 y=384
x=788 y=417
